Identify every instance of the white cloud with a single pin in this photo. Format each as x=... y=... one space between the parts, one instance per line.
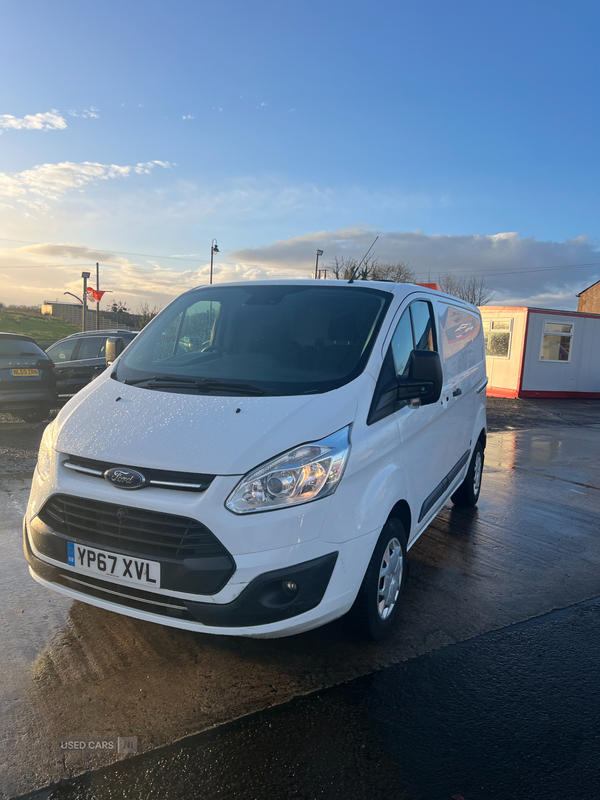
x=187 y=116
x=508 y=261
x=53 y=180
x=522 y=271
x=47 y=121
x=87 y=113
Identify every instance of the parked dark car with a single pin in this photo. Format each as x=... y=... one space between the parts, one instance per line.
x=27 y=382
x=80 y=358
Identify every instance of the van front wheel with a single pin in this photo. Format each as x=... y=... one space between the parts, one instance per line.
x=376 y=606
x=467 y=493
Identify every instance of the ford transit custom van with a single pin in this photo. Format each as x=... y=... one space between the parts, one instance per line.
x=259 y=460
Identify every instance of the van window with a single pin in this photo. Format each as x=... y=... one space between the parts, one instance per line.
x=402 y=343
x=283 y=339
x=415 y=331
x=422 y=323
x=62 y=351
x=461 y=344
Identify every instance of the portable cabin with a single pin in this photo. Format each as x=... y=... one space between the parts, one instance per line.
x=539 y=352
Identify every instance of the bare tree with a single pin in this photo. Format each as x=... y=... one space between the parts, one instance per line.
x=370 y=270
x=471 y=289
x=399 y=273
x=118 y=307
x=146 y=313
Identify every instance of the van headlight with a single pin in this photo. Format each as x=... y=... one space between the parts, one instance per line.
x=308 y=472
x=45 y=452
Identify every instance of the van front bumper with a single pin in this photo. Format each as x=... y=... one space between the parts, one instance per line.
x=265 y=607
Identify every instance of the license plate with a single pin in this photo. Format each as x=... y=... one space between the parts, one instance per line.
x=113 y=566
x=24 y=373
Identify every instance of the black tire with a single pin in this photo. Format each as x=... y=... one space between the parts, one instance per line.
x=35 y=415
x=467 y=493
x=365 y=615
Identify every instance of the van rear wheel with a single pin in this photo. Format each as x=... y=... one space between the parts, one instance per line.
x=467 y=493
x=376 y=607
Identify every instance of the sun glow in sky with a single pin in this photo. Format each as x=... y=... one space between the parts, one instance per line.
x=463 y=134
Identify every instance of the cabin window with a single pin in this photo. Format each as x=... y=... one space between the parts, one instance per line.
x=498 y=338
x=556 y=341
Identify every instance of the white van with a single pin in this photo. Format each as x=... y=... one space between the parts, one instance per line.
x=260 y=458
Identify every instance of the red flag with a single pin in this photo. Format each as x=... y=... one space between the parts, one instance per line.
x=97 y=295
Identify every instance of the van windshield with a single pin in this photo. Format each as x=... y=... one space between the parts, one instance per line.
x=258 y=339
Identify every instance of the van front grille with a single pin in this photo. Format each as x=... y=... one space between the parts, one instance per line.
x=158 y=478
x=134 y=530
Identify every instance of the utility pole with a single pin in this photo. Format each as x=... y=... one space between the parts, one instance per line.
x=319 y=253
x=85 y=276
x=97 y=301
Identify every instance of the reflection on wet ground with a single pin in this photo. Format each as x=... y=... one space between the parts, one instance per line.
x=72 y=670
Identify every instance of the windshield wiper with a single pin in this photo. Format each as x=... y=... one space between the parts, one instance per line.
x=200 y=384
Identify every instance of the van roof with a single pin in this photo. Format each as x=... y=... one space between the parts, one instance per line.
x=401 y=290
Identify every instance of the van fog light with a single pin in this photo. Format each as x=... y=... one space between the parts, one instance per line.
x=289 y=587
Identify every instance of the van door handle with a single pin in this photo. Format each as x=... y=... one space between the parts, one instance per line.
x=456 y=392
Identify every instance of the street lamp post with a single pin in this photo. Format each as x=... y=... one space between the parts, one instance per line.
x=85 y=276
x=213 y=249
x=319 y=253
x=97 y=295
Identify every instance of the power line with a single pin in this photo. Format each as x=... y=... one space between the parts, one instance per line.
x=127 y=253
x=47 y=266
x=102 y=250
x=482 y=273
x=523 y=271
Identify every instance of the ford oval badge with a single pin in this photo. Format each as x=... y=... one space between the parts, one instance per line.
x=124 y=478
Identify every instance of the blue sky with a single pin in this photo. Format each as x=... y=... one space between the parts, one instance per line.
x=282 y=126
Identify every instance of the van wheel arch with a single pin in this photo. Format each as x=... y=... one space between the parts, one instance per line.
x=401 y=511
x=483 y=438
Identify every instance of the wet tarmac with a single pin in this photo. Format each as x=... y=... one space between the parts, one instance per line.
x=507 y=715
x=70 y=670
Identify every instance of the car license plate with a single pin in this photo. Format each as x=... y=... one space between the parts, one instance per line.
x=113 y=566
x=24 y=373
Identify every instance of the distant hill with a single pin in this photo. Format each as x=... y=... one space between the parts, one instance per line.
x=44 y=329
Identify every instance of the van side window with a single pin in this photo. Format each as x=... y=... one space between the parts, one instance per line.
x=415 y=331
x=461 y=344
x=402 y=343
x=423 y=327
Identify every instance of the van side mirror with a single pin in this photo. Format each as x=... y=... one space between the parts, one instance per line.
x=424 y=381
x=114 y=347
